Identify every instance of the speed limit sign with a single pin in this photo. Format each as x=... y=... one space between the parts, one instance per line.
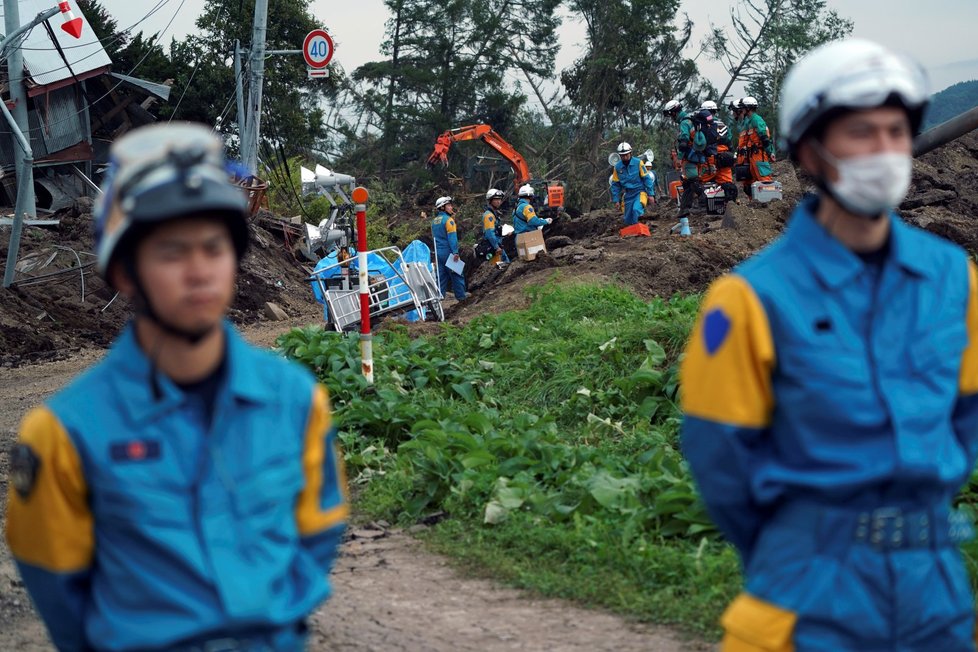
x=317 y=48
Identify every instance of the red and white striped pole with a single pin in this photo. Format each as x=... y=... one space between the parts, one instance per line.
x=366 y=339
x=71 y=25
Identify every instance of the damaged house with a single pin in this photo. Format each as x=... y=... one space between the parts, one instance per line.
x=77 y=105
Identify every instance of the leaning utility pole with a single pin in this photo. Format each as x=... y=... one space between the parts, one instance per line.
x=18 y=96
x=249 y=143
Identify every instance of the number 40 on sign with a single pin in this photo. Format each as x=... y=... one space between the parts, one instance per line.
x=317 y=50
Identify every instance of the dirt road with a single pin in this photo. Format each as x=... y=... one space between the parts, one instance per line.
x=390 y=594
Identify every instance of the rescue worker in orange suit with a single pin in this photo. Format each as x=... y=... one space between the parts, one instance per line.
x=830 y=387
x=690 y=145
x=720 y=165
x=756 y=148
x=185 y=493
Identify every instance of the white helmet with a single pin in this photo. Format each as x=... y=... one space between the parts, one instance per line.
x=442 y=201
x=748 y=102
x=709 y=105
x=494 y=193
x=849 y=74
x=526 y=190
x=672 y=106
x=624 y=148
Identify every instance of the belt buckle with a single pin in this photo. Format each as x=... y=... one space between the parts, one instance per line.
x=223 y=645
x=887 y=527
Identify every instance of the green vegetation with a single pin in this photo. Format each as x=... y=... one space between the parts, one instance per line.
x=550 y=437
x=950 y=102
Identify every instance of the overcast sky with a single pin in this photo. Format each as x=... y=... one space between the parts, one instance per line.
x=939 y=33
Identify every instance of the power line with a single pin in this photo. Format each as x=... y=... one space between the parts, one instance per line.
x=111 y=90
x=196 y=66
x=112 y=38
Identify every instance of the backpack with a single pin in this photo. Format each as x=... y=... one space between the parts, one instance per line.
x=706 y=125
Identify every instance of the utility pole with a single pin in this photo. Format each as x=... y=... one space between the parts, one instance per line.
x=18 y=96
x=25 y=204
x=249 y=144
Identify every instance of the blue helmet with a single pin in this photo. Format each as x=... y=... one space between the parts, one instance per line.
x=160 y=173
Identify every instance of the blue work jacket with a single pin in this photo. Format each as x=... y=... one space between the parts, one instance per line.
x=144 y=527
x=812 y=375
x=525 y=219
x=489 y=224
x=444 y=233
x=631 y=179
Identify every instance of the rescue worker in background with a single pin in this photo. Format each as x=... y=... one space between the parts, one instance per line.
x=186 y=493
x=525 y=218
x=492 y=225
x=690 y=145
x=721 y=164
x=631 y=184
x=830 y=386
x=444 y=232
x=756 y=146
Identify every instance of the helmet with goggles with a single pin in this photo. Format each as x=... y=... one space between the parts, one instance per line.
x=494 y=193
x=849 y=75
x=441 y=202
x=161 y=173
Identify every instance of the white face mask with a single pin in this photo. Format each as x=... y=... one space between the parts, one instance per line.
x=872 y=185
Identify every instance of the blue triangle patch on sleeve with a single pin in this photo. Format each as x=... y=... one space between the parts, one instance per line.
x=716 y=327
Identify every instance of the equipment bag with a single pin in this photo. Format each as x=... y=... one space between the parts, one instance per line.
x=726 y=160
x=484 y=250
x=741 y=172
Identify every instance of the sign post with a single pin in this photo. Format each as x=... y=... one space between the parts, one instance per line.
x=366 y=345
x=317 y=50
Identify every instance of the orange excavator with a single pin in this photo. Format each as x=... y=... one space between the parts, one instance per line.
x=552 y=192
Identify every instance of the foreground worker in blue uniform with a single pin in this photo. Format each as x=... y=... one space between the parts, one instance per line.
x=185 y=493
x=631 y=184
x=525 y=219
x=492 y=226
x=445 y=234
x=830 y=387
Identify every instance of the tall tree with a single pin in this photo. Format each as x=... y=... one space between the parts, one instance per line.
x=447 y=62
x=632 y=64
x=768 y=37
x=204 y=89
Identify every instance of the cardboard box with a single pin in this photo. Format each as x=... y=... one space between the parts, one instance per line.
x=529 y=244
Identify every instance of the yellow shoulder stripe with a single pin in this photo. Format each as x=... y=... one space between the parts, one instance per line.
x=968 y=381
x=753 y=624
x=322 y=465
x=726 y=373
x=52 y=526
x=614 y=175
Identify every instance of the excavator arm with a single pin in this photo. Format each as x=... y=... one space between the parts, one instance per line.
x=485 y=133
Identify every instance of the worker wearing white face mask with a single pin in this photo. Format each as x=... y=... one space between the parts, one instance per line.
x=830 y=387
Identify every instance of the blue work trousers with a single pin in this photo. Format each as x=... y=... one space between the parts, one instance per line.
x=872 y=580
x=634 y=208
x=446 y=276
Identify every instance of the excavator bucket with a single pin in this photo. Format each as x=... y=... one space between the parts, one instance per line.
x=440 y=153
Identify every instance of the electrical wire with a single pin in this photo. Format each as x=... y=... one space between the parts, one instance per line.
x=112 y=38
x=111 y=90
x=196 y=66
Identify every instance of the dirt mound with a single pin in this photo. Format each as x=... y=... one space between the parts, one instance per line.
x=60 y=304
x=47 y=319
x=944 y=196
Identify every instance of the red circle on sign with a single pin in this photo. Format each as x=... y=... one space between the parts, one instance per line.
x=312 y=50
